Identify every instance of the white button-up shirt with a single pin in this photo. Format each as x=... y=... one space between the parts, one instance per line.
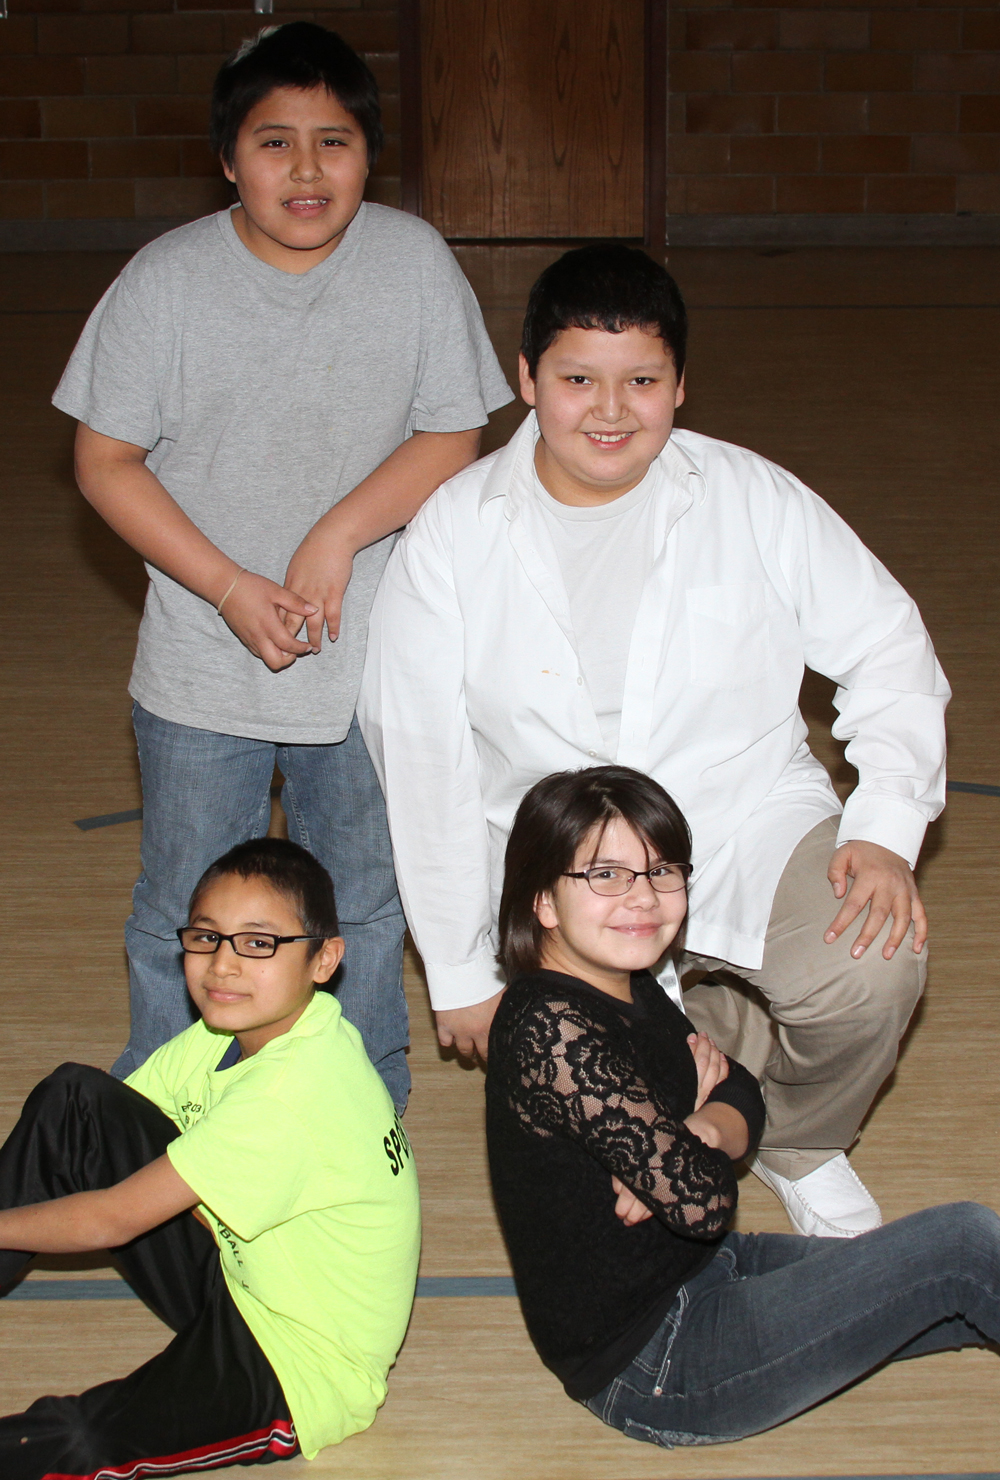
x=473 y=691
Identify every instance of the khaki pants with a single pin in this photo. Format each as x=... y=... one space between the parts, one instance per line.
x=819 y=1029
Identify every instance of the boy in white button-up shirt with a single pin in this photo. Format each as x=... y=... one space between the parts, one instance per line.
x=607 y=588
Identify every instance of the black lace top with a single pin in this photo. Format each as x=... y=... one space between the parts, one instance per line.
x=581 y=1086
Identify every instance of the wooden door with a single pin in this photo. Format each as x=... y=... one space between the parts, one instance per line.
x=532 y=117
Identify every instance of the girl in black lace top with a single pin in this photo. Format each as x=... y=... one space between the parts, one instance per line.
x=612 y=1130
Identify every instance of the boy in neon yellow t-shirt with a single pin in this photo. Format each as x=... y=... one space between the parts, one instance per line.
x=261 y=1185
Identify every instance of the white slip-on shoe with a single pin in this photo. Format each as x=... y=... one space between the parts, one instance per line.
x=831 y=1202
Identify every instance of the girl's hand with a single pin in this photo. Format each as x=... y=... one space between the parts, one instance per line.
x=721 y=1127
x=711 y=1064
x=628 y=1207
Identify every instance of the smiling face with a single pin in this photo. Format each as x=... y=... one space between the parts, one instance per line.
x=605 y=405
x=254 y=998
x=300 y=165
x=602 y=939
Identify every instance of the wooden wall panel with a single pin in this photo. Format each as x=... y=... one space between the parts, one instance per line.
x=533 y=117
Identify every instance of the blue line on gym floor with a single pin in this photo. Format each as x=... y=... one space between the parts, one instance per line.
x=433 y=1287
x=111 y=819
x=428 y=1288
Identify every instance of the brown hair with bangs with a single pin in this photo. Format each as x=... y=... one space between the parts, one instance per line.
x=552 y=821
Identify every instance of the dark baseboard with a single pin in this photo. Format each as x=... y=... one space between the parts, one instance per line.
x=833 y=231
x=81 y=236
x=682 y=231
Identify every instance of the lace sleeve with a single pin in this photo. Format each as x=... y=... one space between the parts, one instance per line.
x=568 y=1078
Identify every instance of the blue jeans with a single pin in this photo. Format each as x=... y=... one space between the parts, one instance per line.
x=777 y=1323
x=202 y=793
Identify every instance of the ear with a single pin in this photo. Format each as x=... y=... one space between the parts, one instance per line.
x=227 y=170
x=331 y=953
x=679 y=396
x=545 y=911
x=525 y=382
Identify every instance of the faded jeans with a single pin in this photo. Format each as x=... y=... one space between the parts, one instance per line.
x=202 y=793
x=777 y=1322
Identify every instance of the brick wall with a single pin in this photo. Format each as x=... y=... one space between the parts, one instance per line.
x=834 y=108
x=104 y=103
x=827 y=108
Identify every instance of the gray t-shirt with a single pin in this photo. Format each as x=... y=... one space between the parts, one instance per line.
x=604 y=554
x=263 y=398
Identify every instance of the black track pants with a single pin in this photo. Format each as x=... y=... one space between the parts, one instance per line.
x=211 y=1398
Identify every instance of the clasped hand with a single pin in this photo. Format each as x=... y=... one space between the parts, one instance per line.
x=267 y=618
x=320 y=570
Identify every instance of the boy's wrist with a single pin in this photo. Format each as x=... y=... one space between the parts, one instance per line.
x=338 y=528
x=230 y=589
x=221 y=583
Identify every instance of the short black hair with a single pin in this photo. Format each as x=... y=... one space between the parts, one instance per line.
x=297 y=55
x=552 y=821
x=292 y=872
x=605 y=286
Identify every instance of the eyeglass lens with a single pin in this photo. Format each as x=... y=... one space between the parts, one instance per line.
x=665 y=880
x=246 y=943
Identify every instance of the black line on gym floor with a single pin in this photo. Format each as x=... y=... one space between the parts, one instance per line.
x=112 y=819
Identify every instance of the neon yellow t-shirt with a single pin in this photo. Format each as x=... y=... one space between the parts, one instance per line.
x=307 y=1181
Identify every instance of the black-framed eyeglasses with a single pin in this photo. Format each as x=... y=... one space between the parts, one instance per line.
x=198 y=942
x=613 y=878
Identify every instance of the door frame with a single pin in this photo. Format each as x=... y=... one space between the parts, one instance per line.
x=655 y=121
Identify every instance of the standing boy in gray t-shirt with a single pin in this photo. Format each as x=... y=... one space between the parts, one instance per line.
x=264 y=397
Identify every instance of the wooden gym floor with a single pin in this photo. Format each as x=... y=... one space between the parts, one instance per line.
x=873 y=375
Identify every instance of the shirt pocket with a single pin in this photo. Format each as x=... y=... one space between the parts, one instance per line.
x=728 y=634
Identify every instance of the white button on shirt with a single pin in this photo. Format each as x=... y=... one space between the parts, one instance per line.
x=468 y=696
